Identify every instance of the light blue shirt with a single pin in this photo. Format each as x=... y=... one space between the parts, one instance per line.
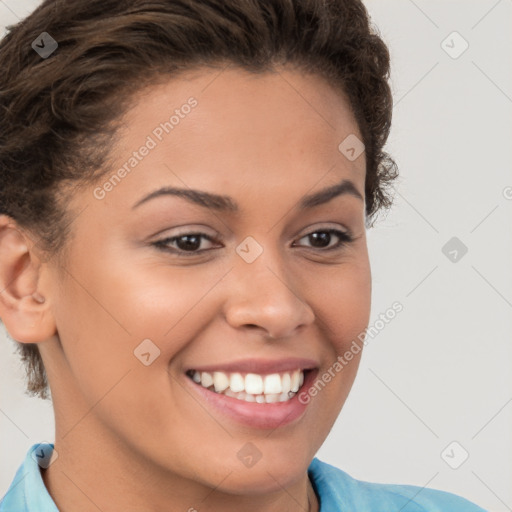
x=337 y=491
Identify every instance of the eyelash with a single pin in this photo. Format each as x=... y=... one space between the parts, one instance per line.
x=345 y=238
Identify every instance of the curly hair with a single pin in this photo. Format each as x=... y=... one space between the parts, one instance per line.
x=61 y=114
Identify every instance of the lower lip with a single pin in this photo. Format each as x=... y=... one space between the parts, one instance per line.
x=254 y=414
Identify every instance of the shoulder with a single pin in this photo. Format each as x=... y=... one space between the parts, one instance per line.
x=337 y=489
x=27 y=492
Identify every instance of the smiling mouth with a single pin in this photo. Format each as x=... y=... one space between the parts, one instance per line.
x=251 y=387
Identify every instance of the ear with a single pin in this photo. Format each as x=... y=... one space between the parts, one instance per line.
x=24 y=308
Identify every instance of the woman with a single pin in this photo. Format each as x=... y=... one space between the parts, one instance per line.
x=185 y=192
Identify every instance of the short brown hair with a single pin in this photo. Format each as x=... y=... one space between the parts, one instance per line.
x=59 y=113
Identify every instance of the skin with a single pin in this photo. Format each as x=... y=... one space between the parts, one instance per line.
x=130 y=437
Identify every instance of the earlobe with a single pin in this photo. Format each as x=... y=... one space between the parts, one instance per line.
x=24 y=309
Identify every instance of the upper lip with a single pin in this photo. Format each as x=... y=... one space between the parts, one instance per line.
x=262 y=366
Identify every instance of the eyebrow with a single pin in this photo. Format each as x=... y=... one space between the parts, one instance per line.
x=227 y=204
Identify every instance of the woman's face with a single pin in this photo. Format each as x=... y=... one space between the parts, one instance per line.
x=135 y=311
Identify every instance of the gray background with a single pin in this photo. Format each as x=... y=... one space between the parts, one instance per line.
x=441 y=370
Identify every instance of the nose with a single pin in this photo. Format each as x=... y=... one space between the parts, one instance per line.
x=263 y=295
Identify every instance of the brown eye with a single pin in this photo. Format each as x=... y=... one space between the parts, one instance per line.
x=321 y=238
x=185 y=243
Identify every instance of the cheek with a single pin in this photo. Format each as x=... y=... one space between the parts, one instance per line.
x=107 y=312
x=101 y=323
x=104 y=316
x=121 y=308
x=341 y=299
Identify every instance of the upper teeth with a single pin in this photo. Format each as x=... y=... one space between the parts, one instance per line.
x=251 y=383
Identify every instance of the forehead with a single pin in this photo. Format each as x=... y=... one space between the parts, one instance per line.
x=287 y=110
x=228 y=131
x=287 y=84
